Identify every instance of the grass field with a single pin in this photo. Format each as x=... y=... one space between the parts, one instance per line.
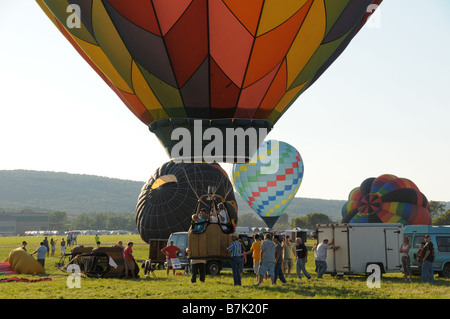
x=215 y=287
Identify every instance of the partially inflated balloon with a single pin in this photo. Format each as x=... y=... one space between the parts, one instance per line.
x=270 y=181
x=230 y=64
x=387 y=199
x=168 y=200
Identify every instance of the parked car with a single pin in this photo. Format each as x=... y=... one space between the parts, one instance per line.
x=440 y=237
x=180 y=239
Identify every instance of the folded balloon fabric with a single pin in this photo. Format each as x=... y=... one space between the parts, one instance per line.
x=6 y=269
x=16 y=279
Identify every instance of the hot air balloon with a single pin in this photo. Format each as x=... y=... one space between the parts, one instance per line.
x=270 y=181
x=173 y=194
x=204 y=73
x=387 y=199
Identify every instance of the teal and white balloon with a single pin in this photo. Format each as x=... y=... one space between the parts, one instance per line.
x=269 y=182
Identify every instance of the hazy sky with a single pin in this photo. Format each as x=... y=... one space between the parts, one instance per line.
x=382 y=107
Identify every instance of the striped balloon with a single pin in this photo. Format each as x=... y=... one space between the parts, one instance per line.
x=387 y=199
x=270 y=181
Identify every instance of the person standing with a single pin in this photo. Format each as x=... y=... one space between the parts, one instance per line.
x=74 y=238
x=45 y=241
x=406 y=261
x=198 y=266
x=267 y=259
x=171 y=252
x=129 y=260
x=97 y=240
x=321 y=256
x=301 y=252
x=427 y=263
x=278 y=260
x=41 y=252
x=53 y=245
x=288 y=255
x=235 y=250
x=256 y=250
x=63 y=246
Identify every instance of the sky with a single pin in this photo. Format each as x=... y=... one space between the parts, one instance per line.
x=382 y=108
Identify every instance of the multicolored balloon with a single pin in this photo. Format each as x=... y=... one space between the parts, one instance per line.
x=387 y=199
x=270 y=181
x=227 y=63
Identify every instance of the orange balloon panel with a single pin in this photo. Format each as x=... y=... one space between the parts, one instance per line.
x=209 y=59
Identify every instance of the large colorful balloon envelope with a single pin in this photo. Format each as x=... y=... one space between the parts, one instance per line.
x=387 y=199
x=200 y=64
x=269 y=182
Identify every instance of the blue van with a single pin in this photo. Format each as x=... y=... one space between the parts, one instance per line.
x=440 y=237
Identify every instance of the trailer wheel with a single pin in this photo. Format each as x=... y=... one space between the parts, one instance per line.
x=213 y=267
x=445 y=273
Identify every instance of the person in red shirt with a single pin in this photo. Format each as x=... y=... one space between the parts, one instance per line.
x=171 y=252
x=129 y=260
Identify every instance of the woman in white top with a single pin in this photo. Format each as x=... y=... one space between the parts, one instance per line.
x=213 y=215
x=223 y=217
x=406 y=262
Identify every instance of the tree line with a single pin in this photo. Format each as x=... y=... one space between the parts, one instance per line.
x=440 y=215
x=59 y=220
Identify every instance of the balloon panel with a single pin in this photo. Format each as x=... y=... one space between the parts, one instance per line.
x=387 y=199
x=209 y=59
x=269 y=182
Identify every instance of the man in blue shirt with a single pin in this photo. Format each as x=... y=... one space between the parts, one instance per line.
x=41 y=252
x=235 y=251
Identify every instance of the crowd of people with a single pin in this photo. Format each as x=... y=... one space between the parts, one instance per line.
x=272 y=257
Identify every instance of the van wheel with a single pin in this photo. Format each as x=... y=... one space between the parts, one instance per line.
x=445 y=271
x=213 y=268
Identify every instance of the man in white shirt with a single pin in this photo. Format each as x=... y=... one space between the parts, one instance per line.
x=321 y=256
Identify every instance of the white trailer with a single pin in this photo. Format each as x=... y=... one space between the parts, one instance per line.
x=362 y=245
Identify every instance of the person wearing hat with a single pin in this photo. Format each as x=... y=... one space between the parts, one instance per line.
x=427 y=263
x=235 y=252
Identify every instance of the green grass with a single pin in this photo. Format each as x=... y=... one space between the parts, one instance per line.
x=215 y=287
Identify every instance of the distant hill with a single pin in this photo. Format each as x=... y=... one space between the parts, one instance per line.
x=76 y=194
x=73 y=193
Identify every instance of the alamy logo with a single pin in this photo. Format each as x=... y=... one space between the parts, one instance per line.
x=374 y=279
x=212 y=144
x=74 y=279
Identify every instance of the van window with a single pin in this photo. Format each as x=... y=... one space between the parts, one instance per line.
x=443 y=243
x=179 y=240
x=417 y=240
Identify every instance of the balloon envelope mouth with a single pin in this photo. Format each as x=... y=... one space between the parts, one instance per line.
x=203 y=140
